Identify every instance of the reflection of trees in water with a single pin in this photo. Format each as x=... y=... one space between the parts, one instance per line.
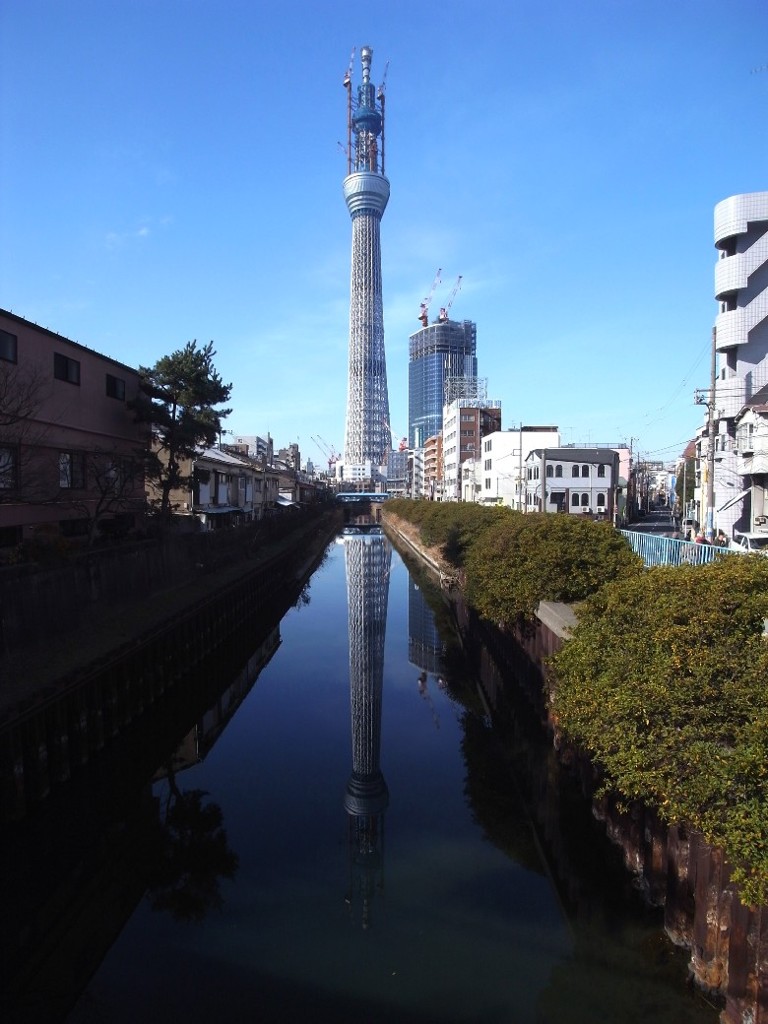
x=493 y=797
x=621 y=967
x=190 y=856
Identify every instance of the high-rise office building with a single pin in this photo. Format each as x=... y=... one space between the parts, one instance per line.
x=366 y=192
x=437 y=352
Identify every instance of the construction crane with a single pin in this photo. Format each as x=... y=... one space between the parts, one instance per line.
x=328 y=451
x=424 y=313
x=403 y=445
x=445 y=309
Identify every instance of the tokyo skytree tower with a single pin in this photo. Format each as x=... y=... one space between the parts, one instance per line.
x=366 y=191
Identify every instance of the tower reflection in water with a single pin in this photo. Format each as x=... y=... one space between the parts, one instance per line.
x=368 y=557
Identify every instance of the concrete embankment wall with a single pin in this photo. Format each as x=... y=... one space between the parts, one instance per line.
x=39 y=600
x=49 y=735
x=675 y=868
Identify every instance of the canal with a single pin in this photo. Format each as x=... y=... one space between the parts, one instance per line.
x=343 y=835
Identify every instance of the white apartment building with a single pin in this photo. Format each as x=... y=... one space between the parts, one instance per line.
x=468 y=416
x=741 y=342
x=498 y=473
x=417 y=488
x=580 y=481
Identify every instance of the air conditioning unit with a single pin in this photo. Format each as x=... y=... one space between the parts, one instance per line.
x=601 y=508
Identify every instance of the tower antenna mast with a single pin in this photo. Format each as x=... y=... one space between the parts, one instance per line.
x=381 y=97
x=348 y=87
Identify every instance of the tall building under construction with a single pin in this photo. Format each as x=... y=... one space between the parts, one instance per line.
x=439 y=351
x=367 y=438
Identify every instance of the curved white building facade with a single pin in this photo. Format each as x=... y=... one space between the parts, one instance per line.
x=741 y=339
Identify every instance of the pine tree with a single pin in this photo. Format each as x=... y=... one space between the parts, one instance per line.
x=178 y=397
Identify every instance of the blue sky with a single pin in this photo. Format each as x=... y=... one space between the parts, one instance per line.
x=171 y=170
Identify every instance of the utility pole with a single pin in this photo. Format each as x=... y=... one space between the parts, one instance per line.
x=520 y=505
x=709 y=401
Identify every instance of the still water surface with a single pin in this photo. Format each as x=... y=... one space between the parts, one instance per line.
x=384 y=861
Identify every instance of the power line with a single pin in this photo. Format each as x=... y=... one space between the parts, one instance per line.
x=683 y=383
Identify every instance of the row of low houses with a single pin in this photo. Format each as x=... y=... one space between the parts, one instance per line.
x=525 y=468
x=71 y=452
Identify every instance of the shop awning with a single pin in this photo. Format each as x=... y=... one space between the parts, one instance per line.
x=734 y=499
x=284 y=502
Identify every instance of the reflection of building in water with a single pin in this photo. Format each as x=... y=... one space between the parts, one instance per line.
x=200 y=740
x=425 y=648
x=368 y=556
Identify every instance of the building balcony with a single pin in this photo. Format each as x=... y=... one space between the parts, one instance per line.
x=730 y=329
x=734 y=214
x=755 y=445
x=731 y=274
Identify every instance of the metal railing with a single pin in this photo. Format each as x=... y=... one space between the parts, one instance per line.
x=656 y=550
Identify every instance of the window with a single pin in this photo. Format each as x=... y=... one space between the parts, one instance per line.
x=8 y=347
x=558 y=470
x=8 y=466
x=72 y=470
x=66 y=369
x=549 y=471
x=601 y=470
x=487 y=464
x=575 y=471
x=575 y=500
x=585 y=470
x=601 y=501
x=115 y=387
x=558 y=498
x=487 y=483
x=119 y=475
x=585 y=501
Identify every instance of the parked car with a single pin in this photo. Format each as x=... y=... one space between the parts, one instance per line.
x=751 y=542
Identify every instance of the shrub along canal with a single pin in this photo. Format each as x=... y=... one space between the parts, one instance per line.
x=342 y=836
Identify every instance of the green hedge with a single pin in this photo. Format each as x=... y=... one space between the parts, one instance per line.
x=525 y=559
x=512 y=561
x=663 y=683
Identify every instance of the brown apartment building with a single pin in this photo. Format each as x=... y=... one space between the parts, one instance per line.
x=69 y=446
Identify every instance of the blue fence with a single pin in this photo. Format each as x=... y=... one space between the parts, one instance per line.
x=353 y=496
x=656 y=550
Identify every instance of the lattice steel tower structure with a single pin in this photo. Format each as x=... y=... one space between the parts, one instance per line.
x=368 y=557
x=366 y=192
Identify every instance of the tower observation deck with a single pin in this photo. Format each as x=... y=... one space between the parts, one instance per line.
x=366 y=192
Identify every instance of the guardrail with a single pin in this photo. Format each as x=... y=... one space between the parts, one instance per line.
x=656 y=550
